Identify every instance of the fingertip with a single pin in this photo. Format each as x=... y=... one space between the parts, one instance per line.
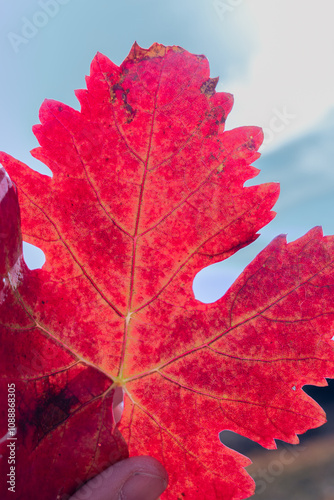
x=135 y=478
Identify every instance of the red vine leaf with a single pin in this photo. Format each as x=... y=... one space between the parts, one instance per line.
x=148 y=189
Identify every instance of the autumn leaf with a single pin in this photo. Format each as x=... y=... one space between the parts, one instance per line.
x=147 y=190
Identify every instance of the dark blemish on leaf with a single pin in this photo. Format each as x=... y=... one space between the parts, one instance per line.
x=251 y=144
x=60 y=108
x=118 y=92
x=222 y=118
x=52 y=409
x=209 y=86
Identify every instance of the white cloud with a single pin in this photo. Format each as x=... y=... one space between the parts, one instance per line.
x=292 y=69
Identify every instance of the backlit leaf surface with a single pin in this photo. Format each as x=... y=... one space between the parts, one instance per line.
x=148 y=189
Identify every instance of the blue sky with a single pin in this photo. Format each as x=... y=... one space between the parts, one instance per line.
x=276 y=57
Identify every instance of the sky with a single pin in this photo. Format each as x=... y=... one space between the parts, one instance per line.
x=275 y=57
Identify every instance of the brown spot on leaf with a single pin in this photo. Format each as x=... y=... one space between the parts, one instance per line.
x=209 y=86
x=117 y=91
x=220 y=167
